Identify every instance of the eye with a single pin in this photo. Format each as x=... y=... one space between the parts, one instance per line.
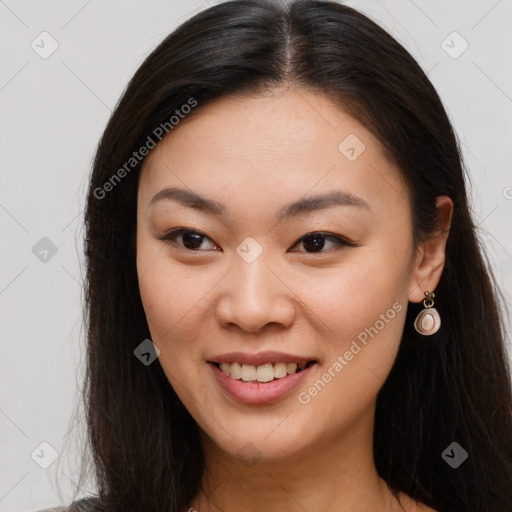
x=315 y=241
x=191 y=239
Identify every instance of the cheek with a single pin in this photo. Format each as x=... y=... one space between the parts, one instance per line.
x=170 y=293
x=173 y=297
x=350 y=297
x=165 y=310
x=156 y=288
x=358 y=309
x=363 y=316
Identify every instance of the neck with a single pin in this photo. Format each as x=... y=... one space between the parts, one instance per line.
x=336 y=473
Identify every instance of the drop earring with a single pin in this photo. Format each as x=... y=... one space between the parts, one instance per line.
x=428 y=320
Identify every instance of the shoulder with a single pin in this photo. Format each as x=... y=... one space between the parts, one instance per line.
x=90 y=504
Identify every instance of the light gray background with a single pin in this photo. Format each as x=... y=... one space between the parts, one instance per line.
x=52 y=114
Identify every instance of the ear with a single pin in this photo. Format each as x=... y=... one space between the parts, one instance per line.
x=430 y=255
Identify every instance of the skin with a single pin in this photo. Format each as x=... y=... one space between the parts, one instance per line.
x=254 y=155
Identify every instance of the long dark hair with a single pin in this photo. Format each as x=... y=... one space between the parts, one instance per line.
x=453 y=387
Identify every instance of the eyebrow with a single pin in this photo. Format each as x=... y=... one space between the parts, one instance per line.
x=306 y=205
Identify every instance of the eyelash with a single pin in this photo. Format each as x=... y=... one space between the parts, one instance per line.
x=169 y=237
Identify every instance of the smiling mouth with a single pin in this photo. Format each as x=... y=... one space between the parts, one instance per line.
x=263 y=373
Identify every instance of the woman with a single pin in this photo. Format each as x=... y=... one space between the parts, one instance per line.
x=287 y=305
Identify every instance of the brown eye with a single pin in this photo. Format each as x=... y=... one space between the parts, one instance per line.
x=316 y=242
x=190 y=240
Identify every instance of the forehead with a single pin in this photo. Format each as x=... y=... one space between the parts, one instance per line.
x=285 y=142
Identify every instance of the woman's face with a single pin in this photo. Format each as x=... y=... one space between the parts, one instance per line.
x=244 y=280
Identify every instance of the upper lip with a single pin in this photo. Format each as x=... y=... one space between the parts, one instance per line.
x=260 y=359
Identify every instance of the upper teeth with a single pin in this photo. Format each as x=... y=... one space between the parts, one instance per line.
x=263 y=373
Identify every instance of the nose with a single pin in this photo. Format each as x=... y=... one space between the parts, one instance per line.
x=253 y=295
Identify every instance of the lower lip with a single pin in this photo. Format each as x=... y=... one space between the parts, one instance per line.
x=260 y=392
